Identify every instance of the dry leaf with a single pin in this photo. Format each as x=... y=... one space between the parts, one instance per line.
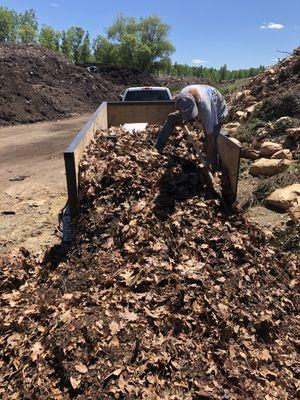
x=129 y=316
x=129 y=277
x=36 y=351
x=81 y=368
x=114 y=342
x=114 y=328
x=263 y=355
x=223 y=309
x=75 y=382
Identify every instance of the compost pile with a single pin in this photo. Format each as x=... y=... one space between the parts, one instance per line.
x=161 y=296
x=280 y=79
x=176 y=83
x=121 y=76
x=37 y=84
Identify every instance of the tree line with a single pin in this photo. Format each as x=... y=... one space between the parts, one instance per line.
x=138 y=43
x=212 y=74
x=73 y=42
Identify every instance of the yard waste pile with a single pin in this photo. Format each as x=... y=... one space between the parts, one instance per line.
x=265 y=117
x=176 y=83
x=37 y=84
x=161 y=296
x=275 y=80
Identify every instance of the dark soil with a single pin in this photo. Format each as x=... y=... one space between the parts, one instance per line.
x=39 y=85
x=121 y=76
x=177 y=83
x=161 y=296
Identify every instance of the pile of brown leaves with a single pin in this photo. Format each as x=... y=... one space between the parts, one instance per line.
x=160 y=297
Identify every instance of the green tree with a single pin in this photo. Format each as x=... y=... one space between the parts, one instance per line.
x=223 y=73
x=153 y=34
x=66 y=46
x=139 y=43
x=8 y=25
x=50 y=38
x=85 y=49
x=28 y=27
x=74 y=36
x=105 y=52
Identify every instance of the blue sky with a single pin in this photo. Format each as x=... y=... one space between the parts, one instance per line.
x=239 y=33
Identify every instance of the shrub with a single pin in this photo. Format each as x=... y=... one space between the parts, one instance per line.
x=285 y=104
x=250 y=130
x=282 y=124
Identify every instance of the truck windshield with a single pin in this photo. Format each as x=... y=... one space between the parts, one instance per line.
x=147 y=95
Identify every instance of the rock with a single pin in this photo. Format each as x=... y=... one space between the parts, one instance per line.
x=250 y=153
x=246 y=92
x=266 y=167
x=242 y=94
x=283 y=154
x=281 y=125
x=267 y=149
x=257 y=143
x=294 y=133
x=249 y=110
x=296 y=52
x=295 y=213
x=262 y=133
x=241 y=114
x=232 y=127
x=238 y=95
x=285 y=198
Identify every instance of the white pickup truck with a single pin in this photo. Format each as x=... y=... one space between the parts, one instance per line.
x=147 y=93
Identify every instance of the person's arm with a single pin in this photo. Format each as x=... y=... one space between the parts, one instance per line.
x=167 y=130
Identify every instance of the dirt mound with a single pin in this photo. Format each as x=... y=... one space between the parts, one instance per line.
x=161 y=296
x=176 y=83
x=121 y=76
x=277 y=80
x=39 y=85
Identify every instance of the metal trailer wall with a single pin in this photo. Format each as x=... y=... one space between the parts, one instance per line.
x=107 y=115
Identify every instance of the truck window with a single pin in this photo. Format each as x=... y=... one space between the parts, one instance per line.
x=146 y=95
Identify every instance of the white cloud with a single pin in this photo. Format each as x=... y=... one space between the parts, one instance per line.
x=271 y=25
x=198 y=61
x=54 y=5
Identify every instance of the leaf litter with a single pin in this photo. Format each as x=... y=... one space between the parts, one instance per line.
x=161 y=296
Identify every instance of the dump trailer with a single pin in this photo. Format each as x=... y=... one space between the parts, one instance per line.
x=110 y=114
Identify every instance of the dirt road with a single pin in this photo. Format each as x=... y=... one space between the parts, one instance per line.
x=32 y=180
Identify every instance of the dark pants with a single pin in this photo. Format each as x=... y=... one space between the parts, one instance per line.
x=211 y=144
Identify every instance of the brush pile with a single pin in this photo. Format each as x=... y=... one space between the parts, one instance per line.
x=282 y=79
x=160 y=297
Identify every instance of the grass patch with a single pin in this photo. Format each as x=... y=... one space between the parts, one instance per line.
x=227 y=88
x=267 y=185
x=282 y=124
x=287 y=239
x=286 y=104
x=250 y=130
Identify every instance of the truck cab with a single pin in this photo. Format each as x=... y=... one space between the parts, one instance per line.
x=146 y=93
